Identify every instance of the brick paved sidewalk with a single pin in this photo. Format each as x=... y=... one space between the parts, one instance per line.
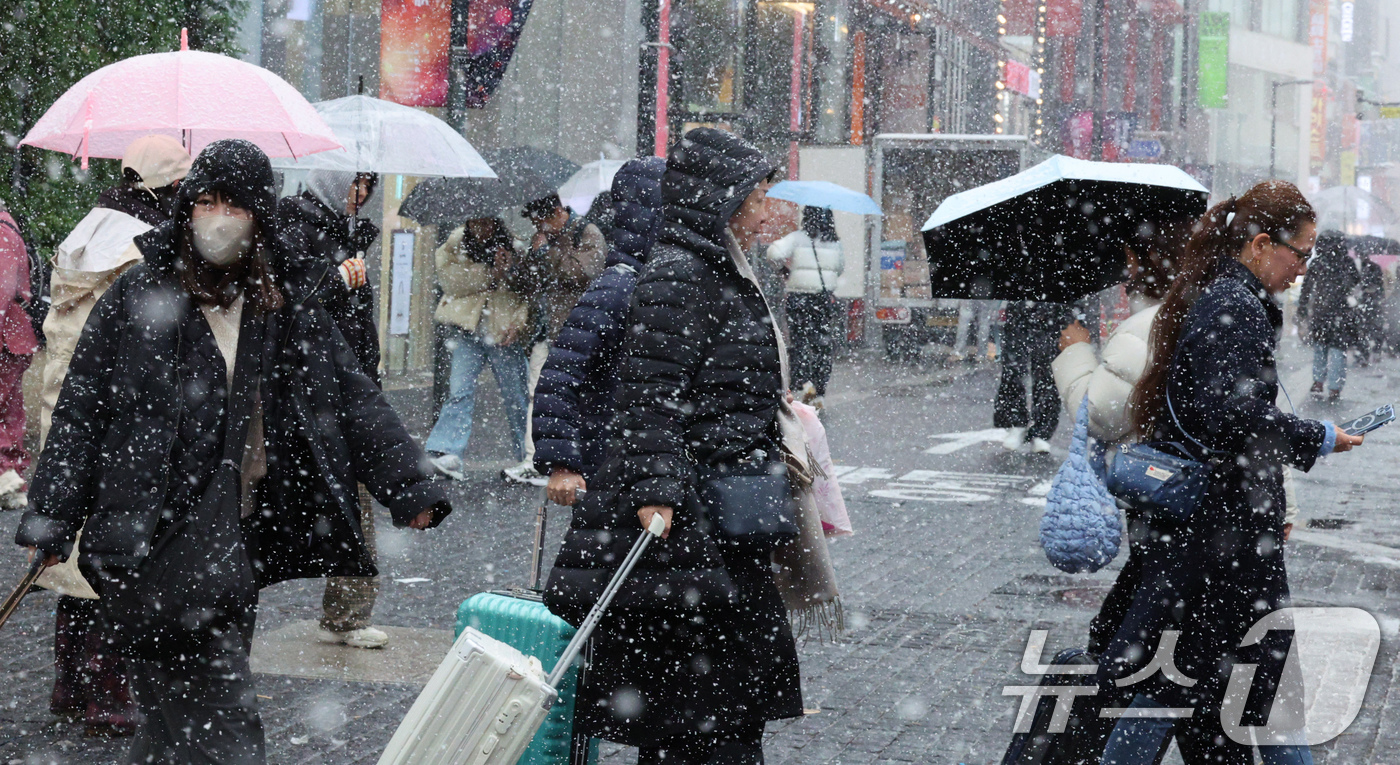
x=940 y=599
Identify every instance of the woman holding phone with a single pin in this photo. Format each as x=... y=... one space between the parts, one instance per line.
x=1212 y=379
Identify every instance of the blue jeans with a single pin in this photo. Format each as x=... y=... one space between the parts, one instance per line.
x=1136 y=741
x=509 y=364
x=1330 y=366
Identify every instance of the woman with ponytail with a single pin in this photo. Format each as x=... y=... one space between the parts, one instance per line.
x=1211 y=378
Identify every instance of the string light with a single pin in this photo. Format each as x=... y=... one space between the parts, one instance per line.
x=1000 y=84
x=1038 y=54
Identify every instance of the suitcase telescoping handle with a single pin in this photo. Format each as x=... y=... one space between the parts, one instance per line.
x=590 y=622
x=36 y=567
x=537 y=561
x=537 y=565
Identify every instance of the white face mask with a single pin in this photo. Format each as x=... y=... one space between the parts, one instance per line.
x=220 y=239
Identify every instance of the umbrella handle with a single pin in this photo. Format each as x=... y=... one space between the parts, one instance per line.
x=87 y=131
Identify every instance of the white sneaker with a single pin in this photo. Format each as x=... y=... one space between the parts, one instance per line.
x=525 y=473
x=449 y=465
x=1040 y=446
x=1015 y=439
x=364 y=637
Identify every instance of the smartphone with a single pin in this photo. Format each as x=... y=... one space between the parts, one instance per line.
x=1369 y=421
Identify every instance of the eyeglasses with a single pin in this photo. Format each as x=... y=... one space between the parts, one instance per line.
x=1304 y=256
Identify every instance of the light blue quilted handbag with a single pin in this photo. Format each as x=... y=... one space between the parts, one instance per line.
x=1080 y=530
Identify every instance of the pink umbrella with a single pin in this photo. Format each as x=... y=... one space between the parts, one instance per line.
x=193 y=96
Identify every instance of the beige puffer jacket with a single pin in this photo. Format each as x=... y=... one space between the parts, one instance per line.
x=473 y=300
x=85 y=264
x=1109 y=383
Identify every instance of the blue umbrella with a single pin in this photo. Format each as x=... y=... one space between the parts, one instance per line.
x=825 y=194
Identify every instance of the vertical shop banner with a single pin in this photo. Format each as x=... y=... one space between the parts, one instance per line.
x=1064 y=18
x=1213 y=73
x=415 y=51
x=1022 y=79
x=486 y=32
x=402 y=244
x=1317 y=127
x=1317 y=40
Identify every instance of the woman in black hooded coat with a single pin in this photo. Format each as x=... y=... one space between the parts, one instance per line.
x=696 y=653
x=146 y=442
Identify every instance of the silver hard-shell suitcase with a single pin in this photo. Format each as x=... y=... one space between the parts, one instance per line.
x=486 y=700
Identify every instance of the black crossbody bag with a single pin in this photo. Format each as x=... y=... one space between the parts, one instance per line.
x=750 y=504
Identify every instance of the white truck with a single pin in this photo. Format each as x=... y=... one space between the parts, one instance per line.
x=910 y=174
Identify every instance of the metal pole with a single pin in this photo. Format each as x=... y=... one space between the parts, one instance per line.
x=663 y=79
x=1273 y=127
x=795 y=94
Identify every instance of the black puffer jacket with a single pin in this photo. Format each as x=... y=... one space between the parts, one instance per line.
x=126 y=404
x=700 y=384
x=1331 y=294
x=574 y=397
x=311 y=228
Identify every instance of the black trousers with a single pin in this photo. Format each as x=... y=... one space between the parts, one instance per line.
x=811 y=333
x=1010 y=408
x=742 y=748
x=199 y=712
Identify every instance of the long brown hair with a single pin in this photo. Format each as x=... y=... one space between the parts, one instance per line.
x=251 y=275
x=1158 y=248
x=1275 y=208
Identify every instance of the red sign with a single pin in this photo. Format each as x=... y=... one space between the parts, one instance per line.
x=1079 y=135
x=415 y=51
x=1022 y=79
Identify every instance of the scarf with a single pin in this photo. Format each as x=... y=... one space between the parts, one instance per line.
x=805 y=576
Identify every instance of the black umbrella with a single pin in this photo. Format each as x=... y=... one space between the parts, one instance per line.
x=1054 y=232
x=524 y=174
x=451 y=201
x=553 y=168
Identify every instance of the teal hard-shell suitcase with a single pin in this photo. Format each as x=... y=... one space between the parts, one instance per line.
x=519 y=618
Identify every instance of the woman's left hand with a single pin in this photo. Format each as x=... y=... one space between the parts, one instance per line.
x=1074 y=333
x=422 y=520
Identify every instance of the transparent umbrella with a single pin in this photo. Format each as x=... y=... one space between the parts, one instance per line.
x=1352 y=210
x=591 y=180
x=384 y=137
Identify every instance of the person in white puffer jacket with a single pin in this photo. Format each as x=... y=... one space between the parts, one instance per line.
x=813 y=260
x=1109 y=381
